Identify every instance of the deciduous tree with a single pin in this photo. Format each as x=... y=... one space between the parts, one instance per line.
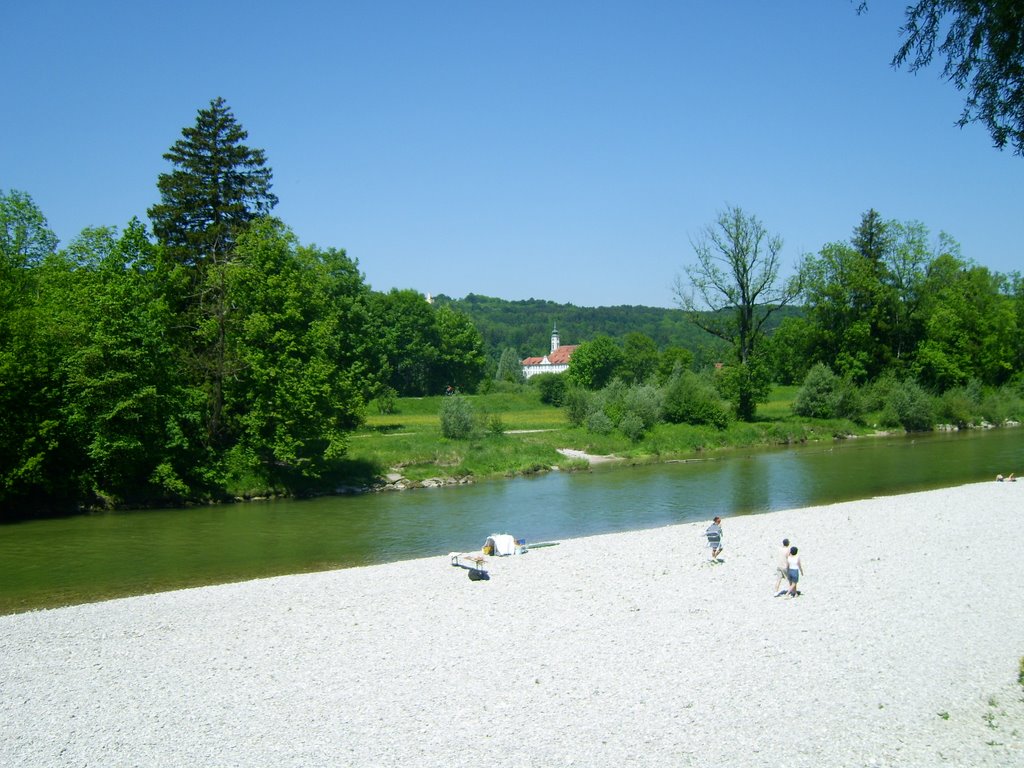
x=734 y=288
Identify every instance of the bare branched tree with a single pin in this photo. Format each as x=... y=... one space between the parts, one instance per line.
x=734 y=288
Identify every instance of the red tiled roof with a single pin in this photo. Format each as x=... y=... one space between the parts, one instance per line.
x=559 y=357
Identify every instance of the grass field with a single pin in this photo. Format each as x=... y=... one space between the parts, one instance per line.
x=517 y=434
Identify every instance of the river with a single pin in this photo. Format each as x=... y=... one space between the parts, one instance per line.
x=48 y=563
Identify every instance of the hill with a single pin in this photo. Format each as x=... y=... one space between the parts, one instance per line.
x=526 y=325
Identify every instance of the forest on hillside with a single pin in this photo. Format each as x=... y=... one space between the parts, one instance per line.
x=526 y=325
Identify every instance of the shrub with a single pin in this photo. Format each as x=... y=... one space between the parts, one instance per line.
x=552 y=388
x=824 y=395
x=644 y=402
x=578 y=404
x=456 y=417
x=999 y=406
x=956 y=407
x=387 y=401
x=689 y=399
x=599 y=423
x=818 y=398
x=910 y=406
x=632 y=426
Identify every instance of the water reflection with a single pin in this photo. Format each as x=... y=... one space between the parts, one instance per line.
x=53 y=562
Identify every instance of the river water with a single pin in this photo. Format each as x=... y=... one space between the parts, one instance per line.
x=48 y=563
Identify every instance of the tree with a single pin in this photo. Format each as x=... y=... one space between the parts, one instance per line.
x=639 y=358
x=509 y=367
x=970 y=326
x=736 y=278
x=217 y=187
x=25 y=237
x=460 y=353
x=983 y=45
x=594 y=363
x=845 y=301
x=407 y=334
x=299 y=337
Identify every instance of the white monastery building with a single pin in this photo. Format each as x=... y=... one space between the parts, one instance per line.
x=556 y=361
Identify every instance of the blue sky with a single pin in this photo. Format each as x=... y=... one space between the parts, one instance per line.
x=568 y=151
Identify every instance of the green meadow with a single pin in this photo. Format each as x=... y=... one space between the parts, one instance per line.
x=517 y=434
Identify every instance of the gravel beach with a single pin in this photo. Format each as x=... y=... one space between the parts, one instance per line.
x=624 y=649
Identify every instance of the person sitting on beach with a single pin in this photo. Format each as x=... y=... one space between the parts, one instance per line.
x=781 y=567
x=795 y=569
x=714 y=534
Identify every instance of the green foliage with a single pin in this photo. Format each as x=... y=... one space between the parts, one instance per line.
x=552 y=387
x=594 y=363
x=578 y=405
x=692 y=399
x=386 y=400
x=640 y=358
x=526 y=325
x=298 y=335
x=671 y=360
x=217 y=187
x=509 y=368
x=788 y=350
x=25 y=236
x=826 y=396
x=909 y=406
x=457 y=418
x=744 y=385
x=984 y=54
x=599 y=423
x=426 y=348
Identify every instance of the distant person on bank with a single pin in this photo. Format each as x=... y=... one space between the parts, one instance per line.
x=714 y=534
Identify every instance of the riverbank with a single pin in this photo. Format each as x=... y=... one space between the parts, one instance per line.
x=627 y=648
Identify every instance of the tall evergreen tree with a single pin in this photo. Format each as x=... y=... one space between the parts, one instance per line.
x=217 y=187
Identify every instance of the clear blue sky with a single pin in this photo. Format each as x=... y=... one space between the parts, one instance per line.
x=557 y=150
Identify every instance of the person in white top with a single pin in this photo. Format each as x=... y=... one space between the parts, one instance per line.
x=795 y=569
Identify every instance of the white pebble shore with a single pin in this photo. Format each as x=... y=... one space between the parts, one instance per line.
x=627 y=649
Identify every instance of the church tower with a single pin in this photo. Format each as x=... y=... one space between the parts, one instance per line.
x=555 y=343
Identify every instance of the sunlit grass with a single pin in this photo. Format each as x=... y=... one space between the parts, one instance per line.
x=517 y=434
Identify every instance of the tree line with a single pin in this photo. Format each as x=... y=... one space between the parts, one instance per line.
x=209 y=355
x=892 y=321
x=213 y=353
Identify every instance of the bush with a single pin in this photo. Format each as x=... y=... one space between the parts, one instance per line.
x=632 y=426
x=644 y=402
x=599 y=423
x=578 y=403
x=552 y=388
x=956 y=407
x=818 y=397
x=1000 y=406
x=909 y=406
x=689 y=399
x=456 y=417
x=824 y=395
x=387 y=401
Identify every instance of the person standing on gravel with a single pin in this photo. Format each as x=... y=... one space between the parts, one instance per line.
x=714 y=534
x=781 y=567
x=795 y=570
